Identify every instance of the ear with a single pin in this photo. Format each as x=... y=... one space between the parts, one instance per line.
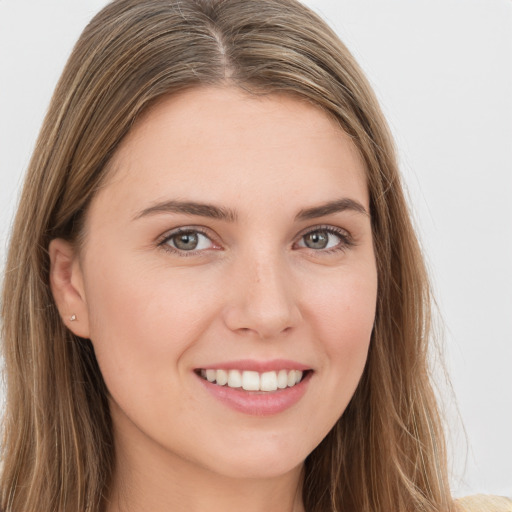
x=67 y=286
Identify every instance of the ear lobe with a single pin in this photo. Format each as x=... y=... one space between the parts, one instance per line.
x=66 y=283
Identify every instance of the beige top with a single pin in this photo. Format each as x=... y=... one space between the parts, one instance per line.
x=485 y=503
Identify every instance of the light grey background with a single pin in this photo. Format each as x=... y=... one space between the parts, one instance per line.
x=442 y=70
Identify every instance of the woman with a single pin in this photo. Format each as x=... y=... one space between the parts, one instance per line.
x=214 y=296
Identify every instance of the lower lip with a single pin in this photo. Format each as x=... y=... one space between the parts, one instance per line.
x=258 y=403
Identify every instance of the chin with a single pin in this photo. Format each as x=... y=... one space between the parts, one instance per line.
x=261 y=469
x=263 y=461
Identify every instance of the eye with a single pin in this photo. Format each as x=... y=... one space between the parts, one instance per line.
x=325 y=239
x=187 y=240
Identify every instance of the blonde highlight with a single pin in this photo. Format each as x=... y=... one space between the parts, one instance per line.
x=387 y=450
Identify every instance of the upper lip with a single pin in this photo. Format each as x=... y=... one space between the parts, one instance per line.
x=257 y=366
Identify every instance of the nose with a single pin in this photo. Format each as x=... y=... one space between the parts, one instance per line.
x=262 y=297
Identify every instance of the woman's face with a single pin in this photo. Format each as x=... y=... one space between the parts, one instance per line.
x=231 y=241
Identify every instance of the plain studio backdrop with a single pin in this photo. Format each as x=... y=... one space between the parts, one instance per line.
x=442 y=70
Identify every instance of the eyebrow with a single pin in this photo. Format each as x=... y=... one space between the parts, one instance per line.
x=225 y=214
x=336 y=206
x=190 y=208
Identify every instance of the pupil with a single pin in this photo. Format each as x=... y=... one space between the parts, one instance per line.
x=186 y=241
x=317 y=240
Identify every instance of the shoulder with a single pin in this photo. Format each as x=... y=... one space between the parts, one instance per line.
x=484 y=503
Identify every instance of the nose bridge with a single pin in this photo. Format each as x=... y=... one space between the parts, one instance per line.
x=264 y=299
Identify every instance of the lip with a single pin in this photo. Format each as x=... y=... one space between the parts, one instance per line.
x=273 y=365
x=258 y=403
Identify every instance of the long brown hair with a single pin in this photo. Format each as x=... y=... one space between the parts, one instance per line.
x=386 y=453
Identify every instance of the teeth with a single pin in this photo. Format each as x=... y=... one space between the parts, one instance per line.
x=222 y=377
x=234 y=379
x=253 y=381
x=268 y=381
x=282 y=379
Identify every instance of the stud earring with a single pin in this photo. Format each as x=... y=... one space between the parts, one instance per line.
x=72 y=318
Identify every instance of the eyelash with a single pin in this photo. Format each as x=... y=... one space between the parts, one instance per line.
x=345 y=243
x=163 y=243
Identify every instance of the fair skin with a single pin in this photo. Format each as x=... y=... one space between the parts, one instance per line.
x=261 y=278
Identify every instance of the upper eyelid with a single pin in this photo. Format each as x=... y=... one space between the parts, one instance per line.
x=184 y=229
x=162 y=241
x=342 y=232
x=346 y=240
x=326 y=227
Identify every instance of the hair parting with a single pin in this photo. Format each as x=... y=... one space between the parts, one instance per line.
x=386 y=452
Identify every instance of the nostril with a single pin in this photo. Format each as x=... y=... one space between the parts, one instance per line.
x=265 y=311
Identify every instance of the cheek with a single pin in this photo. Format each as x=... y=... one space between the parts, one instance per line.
x=142 y=322
x=345 y=307
x=343 y=316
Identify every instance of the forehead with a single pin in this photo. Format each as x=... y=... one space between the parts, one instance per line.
x=222 y=143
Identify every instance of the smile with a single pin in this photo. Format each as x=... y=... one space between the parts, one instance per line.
x=252 y=380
